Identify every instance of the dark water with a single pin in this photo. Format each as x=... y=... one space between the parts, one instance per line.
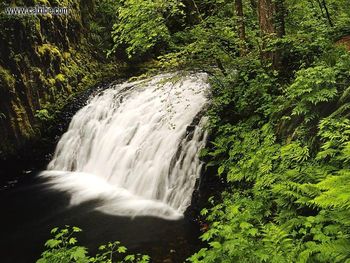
x=29 y=211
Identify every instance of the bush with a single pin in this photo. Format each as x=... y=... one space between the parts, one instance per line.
x=64 y=248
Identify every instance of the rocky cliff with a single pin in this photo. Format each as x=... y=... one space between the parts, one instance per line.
x=44 y=60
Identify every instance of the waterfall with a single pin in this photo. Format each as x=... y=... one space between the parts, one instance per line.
x=134 y=147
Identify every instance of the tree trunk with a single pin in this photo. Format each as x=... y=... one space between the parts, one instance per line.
x=271 y=22
x=266 y=12
x=327 y=13
x=240 y=26
x=267 y=29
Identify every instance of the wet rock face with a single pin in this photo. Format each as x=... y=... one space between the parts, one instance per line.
x=43 y=60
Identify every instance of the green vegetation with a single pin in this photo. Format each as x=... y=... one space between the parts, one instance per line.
x=141 y=25
x=43 y=115
x=279 y=118
x=63 y=247
x=280 y=139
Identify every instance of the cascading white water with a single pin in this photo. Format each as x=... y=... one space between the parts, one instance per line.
x=134 y=147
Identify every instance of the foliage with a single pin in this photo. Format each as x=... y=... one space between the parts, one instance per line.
x=211 y=40
x=44 y=115
x=141 y=25
x=313 y=86
x=63 y=247
x=101 y=26
x=280 y=140
x=287 y=199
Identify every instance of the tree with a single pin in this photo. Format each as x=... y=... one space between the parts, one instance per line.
x=266 y=11
x=240 y=25
x=142 y=26
x=323 y=4
x=271 y=15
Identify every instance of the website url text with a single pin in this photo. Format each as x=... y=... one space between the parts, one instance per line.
x=36 y=10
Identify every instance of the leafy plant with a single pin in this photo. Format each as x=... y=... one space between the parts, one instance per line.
x=141 y=25
x=44 y=115
x=281 y=143
x=64 y=248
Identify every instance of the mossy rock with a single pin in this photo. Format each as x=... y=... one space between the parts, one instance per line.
x=7 y=80
x=36 y=71
x=51 y=57
x=51 y=81
x=66 y=55
x=49 y=50
x=21 y=121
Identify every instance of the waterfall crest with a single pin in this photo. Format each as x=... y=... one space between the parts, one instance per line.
x=134 y=147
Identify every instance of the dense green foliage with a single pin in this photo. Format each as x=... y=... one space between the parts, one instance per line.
x=279 y=119
x=142 y=26
x=64 y=248
x=281 y=142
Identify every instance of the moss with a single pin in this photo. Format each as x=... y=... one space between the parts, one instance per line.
x=49 y=50
x=36 y=71
x=50 y=57
x=60 y=78
x=7 y=81
x=18 y=58
x=21 y=121
x=51 y=81
x=64 y=69
x=47 y=17
x=42 y=2
x=66 y=55
x=38 y=26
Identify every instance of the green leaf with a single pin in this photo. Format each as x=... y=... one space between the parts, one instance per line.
x=79 y=253
x=121 y=249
